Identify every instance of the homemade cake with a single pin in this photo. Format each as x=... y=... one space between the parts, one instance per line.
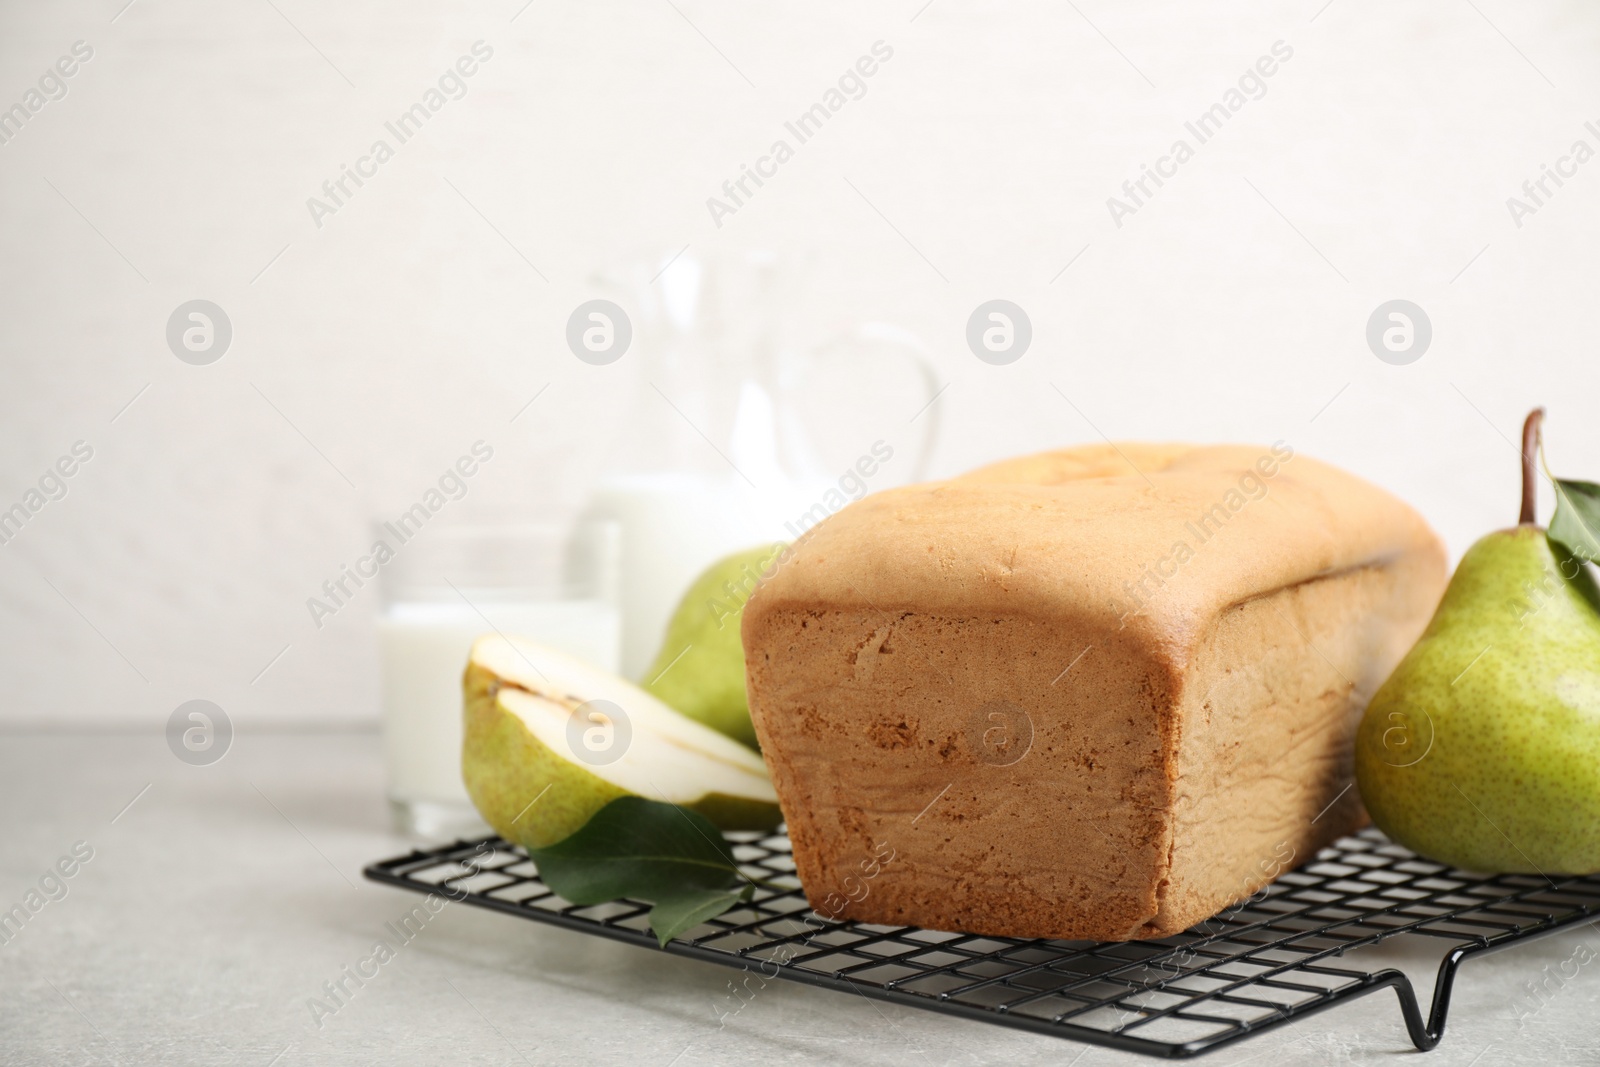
x=1100 y=693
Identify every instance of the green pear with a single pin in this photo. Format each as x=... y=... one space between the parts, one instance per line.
x=550 y=740
x=700 y=668
x=1482 y=750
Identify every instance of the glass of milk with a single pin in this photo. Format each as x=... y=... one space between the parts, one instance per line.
x=556 y=585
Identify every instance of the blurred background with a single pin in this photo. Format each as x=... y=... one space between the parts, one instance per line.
x=376 y=333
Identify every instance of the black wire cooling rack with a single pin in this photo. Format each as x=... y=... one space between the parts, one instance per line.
x=1254 y=967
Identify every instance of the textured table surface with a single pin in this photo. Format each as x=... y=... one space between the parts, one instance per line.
x=214 y=908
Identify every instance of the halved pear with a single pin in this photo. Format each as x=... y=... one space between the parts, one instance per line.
x=546 y=748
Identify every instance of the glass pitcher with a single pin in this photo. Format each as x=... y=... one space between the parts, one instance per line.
x=745 y=424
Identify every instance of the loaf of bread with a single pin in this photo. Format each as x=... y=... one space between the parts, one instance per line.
x=1100 y=693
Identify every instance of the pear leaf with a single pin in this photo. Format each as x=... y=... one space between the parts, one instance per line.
x=1576 y=524
x=673 y=915
x=646 y=850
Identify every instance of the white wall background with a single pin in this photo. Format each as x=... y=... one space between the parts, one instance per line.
x=1232 y=307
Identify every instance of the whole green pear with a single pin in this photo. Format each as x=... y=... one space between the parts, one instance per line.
x=700 y=668
x=1482 y=750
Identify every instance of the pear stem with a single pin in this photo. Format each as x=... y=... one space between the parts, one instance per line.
x=1530 y=453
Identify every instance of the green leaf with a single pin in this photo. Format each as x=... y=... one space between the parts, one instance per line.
x=645 y=850
x=1576 y=524
x=673 y=915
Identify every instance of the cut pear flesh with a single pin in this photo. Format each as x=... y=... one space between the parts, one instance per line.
x=551 y=739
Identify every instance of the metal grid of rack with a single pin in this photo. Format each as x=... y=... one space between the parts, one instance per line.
x=1254 y=967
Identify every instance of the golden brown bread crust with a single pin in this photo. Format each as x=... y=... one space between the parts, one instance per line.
x=1098 y=693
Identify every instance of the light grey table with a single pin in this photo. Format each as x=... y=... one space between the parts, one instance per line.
x=217 y=904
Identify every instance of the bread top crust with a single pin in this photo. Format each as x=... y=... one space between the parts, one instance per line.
x=1160 y=538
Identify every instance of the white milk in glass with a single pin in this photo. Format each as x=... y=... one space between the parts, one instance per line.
x=445 y=590
x=424 y=651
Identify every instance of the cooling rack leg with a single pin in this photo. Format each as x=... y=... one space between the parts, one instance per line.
x=1442 y=986
x=1422 y=1035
